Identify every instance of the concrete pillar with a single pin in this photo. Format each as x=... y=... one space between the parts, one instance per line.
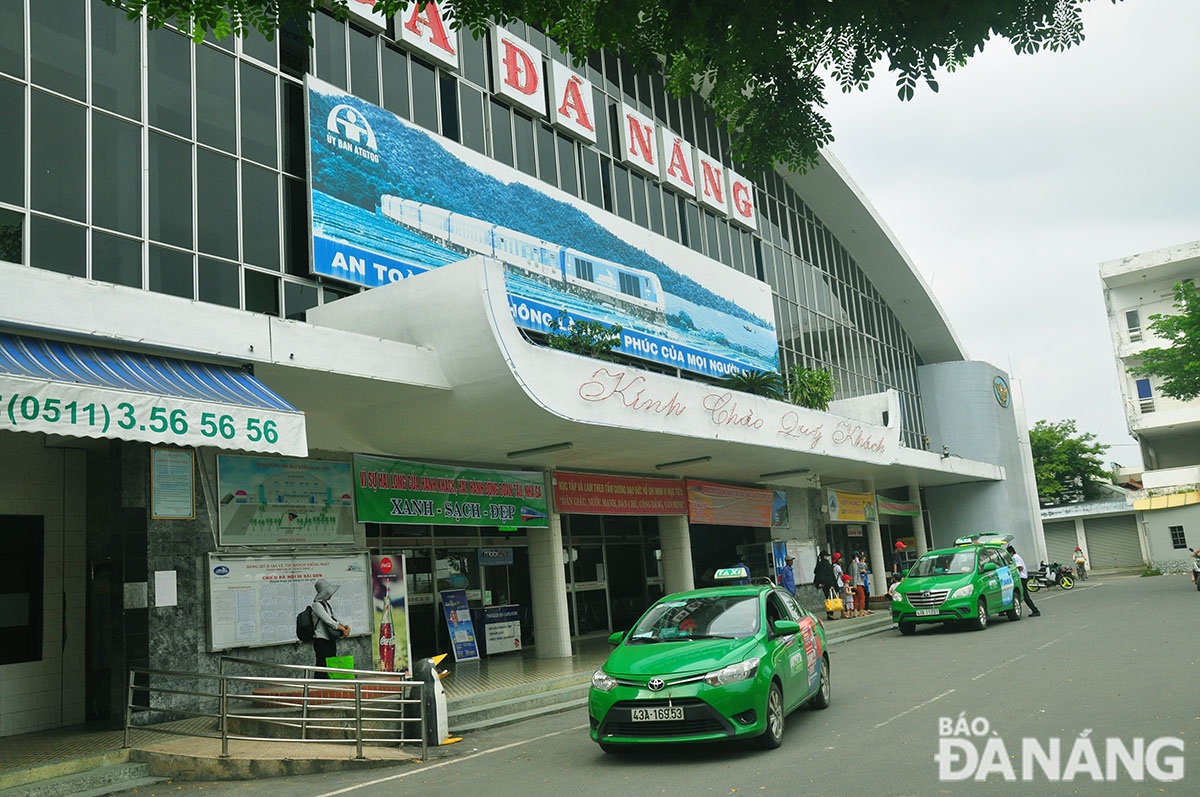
x=675 y=542
x=548 y=587
x=918 y=524
x=880 y=566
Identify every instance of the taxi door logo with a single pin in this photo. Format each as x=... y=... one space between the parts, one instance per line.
x=349 y=131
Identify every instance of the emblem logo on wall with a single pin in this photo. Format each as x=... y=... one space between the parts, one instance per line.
x=350 y=131
x=1000 y=388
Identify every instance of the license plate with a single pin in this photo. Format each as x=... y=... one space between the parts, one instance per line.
x=927 y=612
x=666 y=714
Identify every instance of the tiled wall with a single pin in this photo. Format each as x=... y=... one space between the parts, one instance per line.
x=36 y=480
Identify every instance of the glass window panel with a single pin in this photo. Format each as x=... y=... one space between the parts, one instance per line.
x=259 y=123
x=169 y=82
x=294 y=54
x=171 y=272
x=424 y=95
x=170 y=179
x=592 y=190
x=654 y=206
x=606 y=183
x=364 y=66
x=296 y=230
x=12 y=236
x=640 y=212
x=218 y=282
x=621 y=192
x=12 y=143
x=448 y=88
x=671 y=216
x=116 y=174
x=472 y=132
x=502 y=148
x=57 y=55
x=262 y=292
x=692 y=230
x=12 y=37
x=256 y=46
x=600 y=106
x=216 y=99
x=116 y=259
x=116 y=61
x=568 y=166
x=58 y=156
x=295 y=130
x=260 y=217
x=329 y=49
x=472 y=56
x=57 y=246
x=545 y=155
x=298 y=299
x=395 y=82
x=523 y=133
x=216 y=204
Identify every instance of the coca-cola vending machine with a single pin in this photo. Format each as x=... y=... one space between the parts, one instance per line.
x=389 y=595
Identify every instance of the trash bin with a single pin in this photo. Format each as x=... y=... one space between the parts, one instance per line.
x=434 y=698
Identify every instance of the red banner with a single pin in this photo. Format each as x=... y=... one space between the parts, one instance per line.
x=725 y=505
x=594 y=494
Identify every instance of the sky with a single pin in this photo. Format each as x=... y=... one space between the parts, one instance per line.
x=1010 y=185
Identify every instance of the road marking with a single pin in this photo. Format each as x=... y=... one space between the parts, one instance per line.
x=986 y=673
x=441 y=764
x=914 y=708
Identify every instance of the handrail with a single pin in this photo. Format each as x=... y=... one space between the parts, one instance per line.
x=367 y=707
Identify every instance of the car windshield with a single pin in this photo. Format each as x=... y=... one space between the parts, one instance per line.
x=718 y=616
x=939 y=564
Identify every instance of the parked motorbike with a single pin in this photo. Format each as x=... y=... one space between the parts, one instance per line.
x=1051 y=574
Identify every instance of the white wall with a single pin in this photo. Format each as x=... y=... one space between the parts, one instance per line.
x=35 y=480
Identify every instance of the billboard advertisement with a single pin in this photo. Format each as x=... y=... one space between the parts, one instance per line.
x=391 y=201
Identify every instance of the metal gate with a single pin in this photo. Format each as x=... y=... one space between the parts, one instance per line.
x=1060 y=541
x=1113 y=542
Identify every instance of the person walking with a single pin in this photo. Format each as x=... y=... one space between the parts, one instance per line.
x=860 y=598
x=1020 y=563
x=787 y=576
x=823 y=575
x=327 y=629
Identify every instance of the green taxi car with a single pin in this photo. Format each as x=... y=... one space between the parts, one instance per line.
x=967 y=583
x=710 y=665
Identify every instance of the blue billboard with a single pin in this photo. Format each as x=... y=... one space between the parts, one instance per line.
x=391 y=201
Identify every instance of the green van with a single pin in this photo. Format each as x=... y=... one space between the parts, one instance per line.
x=967 y=583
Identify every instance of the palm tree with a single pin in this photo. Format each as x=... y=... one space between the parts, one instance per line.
x=768 y=384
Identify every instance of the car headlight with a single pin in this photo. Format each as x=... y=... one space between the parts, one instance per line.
x=603 y=681
x=964 y=592
x=741 y=671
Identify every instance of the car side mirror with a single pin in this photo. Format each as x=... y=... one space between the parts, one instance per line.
x=615 y=639
x=989 y=567
x=785 y=627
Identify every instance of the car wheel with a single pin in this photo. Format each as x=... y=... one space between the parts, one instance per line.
x=981 y=616
x=821 y=698
x=908 y=629
x=1066 y=582
x=1015 y=612
x=772 y=737
x=609 y=748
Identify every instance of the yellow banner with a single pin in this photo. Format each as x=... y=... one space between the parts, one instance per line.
x=850 y=507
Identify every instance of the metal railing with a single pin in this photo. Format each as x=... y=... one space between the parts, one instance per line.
x=356 y=707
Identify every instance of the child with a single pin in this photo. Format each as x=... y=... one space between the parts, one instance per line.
x=847 y=597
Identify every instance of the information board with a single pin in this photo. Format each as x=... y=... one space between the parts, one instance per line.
x=253 y=600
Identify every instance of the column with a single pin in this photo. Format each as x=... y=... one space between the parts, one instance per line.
x=675 y=542
x=918 y=524
x=880 y=565
x=548 y=586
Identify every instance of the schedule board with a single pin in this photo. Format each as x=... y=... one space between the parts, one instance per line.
x=253 y=600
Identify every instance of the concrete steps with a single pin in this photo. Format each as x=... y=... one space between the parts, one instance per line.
x=95 y=781
x=499 y=707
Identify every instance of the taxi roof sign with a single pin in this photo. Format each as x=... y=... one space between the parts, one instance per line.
x=985 y=538
x=731 y=573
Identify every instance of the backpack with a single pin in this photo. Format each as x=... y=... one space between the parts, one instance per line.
x=305 y=627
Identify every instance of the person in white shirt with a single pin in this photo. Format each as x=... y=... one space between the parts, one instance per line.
x=1020 y=563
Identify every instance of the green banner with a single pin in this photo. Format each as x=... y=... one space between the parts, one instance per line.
x=398 y=491
x=888 y=506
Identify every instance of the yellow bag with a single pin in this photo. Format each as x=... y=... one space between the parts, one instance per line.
x=833 y=603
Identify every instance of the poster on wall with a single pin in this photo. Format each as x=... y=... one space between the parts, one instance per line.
x=389 y=600
x=253 y=600
x=391 y=201
x=398 y=491
x=501 y=629
x=728 y=505
x=279 y=501
x=458 y=621
x=845 y=507
x=172 y=484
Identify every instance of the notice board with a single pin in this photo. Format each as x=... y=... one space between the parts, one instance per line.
x=254 y=600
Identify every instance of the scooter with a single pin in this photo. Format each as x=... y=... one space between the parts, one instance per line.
x=1051 y=575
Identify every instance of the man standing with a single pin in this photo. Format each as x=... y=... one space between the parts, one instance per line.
x=327 y=630
x=787 y=576
x=1020 y=563
x=898 y=561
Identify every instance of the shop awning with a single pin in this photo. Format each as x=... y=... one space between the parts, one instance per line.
x=87 y=391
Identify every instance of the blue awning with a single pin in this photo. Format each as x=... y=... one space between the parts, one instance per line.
x=89 y=391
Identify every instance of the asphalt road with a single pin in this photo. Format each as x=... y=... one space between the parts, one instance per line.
x=1103 y=675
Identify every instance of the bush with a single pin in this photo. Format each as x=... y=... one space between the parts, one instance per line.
x=1151 y=571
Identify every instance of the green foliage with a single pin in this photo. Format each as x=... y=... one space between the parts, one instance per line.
x=1066 y=463
x=589 y=338
x=1151 y=571
x=811 y=388
x=760 y=65
x=757 y=383
x=1178 y=366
